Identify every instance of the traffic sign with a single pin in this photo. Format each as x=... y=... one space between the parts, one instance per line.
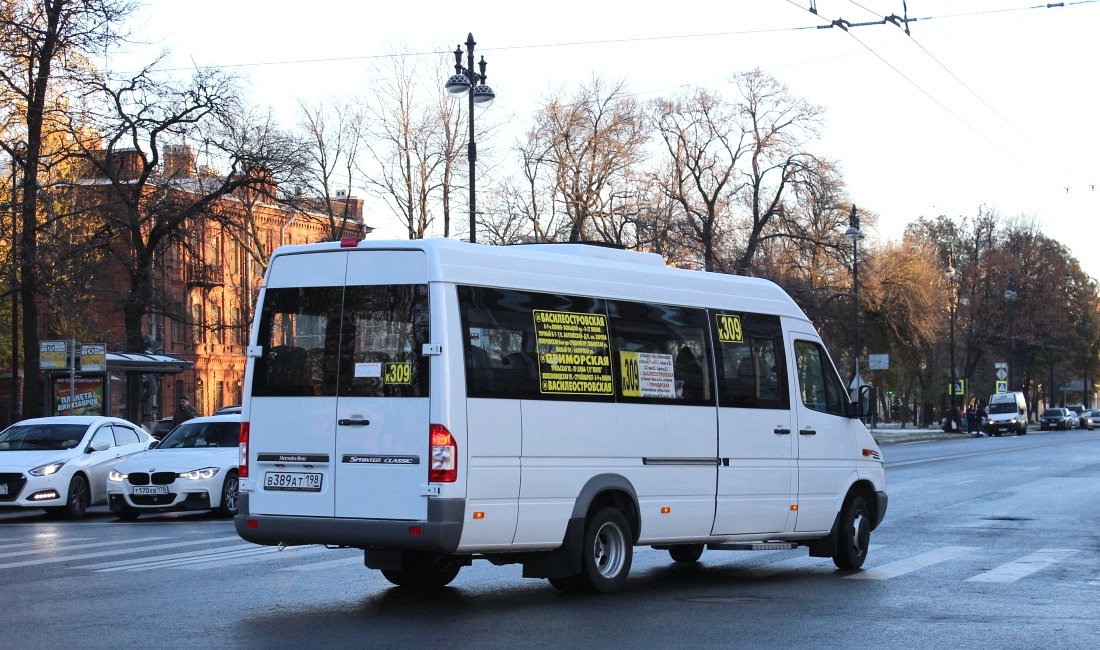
x=1002 y=370
x=1002 y=386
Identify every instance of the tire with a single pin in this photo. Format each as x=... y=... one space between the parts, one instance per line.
x=128 y=515
x=686 y=553
x=424 y=571
x=78 y=499
x=607 y=552
x=230 y=496
x=855 y=534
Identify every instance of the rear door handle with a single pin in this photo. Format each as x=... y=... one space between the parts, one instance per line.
x=781 y=431
x=807 y=432
x=351 y=423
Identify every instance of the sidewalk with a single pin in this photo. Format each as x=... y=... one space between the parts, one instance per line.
x=895 y=432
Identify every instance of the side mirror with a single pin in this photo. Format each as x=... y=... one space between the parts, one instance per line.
x=866 y=402
x=153 y=443
x=102 y=445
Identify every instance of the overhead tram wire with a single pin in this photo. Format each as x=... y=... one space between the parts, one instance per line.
x=845 y=25
x=367 y=57
x=963 y=83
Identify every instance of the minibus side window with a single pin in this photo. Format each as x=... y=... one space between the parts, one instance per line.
x=294 y=327
x=528 y=345
x=660 y=353
x=818 y=384
x=751 y=364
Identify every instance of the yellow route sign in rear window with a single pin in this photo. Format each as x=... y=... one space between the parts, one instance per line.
x=574 y=353
x=729 y=328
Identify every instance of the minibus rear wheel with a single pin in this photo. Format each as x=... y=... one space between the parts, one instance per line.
x=686 y=552
x=607 y=552
x=421 y=570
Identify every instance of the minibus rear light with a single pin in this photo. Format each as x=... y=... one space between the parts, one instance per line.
x=444 y=455
x=349 y=242
x=242 y=455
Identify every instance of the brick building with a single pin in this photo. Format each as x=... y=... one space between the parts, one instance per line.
x=206 y=284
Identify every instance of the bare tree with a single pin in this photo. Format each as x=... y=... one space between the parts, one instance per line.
x=334 y=136
x=593 y=142
x=778 y=126
x=705 y=145
x=414 y=143
x=40 y=43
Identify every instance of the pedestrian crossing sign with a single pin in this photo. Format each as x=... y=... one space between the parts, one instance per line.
x=1002 y=386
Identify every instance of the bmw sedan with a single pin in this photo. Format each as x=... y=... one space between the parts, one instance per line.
x=193 y=468
x=61 y=463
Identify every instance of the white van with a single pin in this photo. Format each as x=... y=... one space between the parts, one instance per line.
x=1007 y=413
x=432 y=402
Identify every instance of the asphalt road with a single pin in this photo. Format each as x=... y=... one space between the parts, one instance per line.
x=988 y=543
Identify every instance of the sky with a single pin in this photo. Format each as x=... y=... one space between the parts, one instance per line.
x=984 y=103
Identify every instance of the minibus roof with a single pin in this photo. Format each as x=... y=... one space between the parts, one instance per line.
x=579 y=269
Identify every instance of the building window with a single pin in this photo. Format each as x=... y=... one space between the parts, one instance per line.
x=200 y=397
x=216 y=327
x=196 y=323
x=219 y=394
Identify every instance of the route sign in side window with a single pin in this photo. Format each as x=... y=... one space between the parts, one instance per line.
x=751 y=364
x=382 y=333
x=299 y=331
x=660 y=353
x=818 y=384
x=529 y=345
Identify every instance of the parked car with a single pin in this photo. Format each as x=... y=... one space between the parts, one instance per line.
x=227 y=409
x=1093 y=418
x=1080 y=421
x=163 y=426
x=1056 y=418
x=61 y=463
x=193 y=468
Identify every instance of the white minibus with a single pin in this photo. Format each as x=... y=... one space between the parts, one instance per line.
x=432 y=402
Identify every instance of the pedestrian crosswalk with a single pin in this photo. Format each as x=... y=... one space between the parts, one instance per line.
x=972 y=564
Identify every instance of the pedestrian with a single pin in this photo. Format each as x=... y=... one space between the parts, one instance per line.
x=971 y=421
x=982 y=418
x=184 y=412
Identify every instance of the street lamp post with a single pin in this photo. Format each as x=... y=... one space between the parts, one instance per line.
x=465 y=82
x=14 y=412
x=953 y=278
x=854 y=235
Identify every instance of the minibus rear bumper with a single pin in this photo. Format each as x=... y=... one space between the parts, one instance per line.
x=439 y=533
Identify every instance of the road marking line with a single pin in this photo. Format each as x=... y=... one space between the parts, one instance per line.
x=53 y=546
x=135 y=549
x=272 y=554
x=794 y=563
x=357 y=560
x=901 y=567
x=1025 y=566
x=123 y=564
x=211 y=557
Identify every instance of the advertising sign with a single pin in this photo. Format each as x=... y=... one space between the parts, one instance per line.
x=93 y=358
x=83 y=396
x=53 y=355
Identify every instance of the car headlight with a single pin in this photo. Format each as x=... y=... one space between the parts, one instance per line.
x=47 y=469
x=116 y=476
x=198 y=474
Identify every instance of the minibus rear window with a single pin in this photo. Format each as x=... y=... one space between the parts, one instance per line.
x=362 y=341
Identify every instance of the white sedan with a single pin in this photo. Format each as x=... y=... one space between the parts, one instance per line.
x=193 y=468
x=61 y=463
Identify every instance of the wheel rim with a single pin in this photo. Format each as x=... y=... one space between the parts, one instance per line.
x=609 y=550
x=860 y=533
x=229 y=495
x=78 y=496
